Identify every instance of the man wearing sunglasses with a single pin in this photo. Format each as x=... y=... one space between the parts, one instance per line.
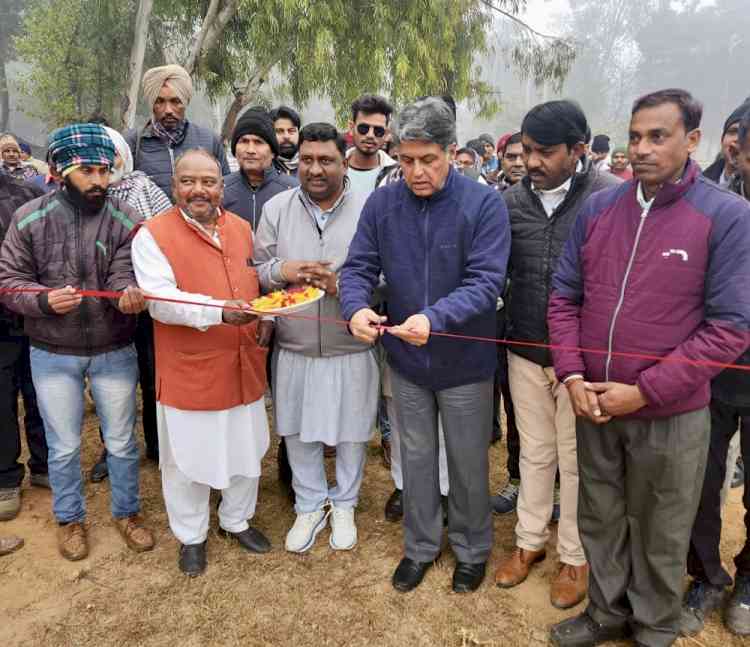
x=369 y=126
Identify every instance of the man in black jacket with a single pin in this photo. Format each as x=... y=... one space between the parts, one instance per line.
x=168 y=134
x=723 y=169
x=543 y=207
x=730 y=402
x=15 y=375
x=79 y=237
x=255 y=146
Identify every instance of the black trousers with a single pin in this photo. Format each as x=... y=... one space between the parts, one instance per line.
x=15 y=377
x=502 y=389
x=704 y=560
x=638 y=492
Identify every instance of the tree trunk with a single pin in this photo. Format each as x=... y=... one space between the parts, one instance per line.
x=213 y=26
x=135 y=67
x=208 y=21
x=4 y=99
x=242 y=98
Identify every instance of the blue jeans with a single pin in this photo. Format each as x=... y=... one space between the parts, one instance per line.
x=59 y=382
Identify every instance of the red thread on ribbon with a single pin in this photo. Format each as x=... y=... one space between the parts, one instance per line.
x=107 y=294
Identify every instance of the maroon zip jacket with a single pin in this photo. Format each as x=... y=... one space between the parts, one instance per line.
x=670 y=281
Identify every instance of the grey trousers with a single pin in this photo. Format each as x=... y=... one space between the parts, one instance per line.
x=467 y=422
x=639 y=486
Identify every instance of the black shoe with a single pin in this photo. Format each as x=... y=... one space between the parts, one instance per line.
x=701 y=599
x=468 y=577
x=193 y=559
x=409 y=574
x=584 y=631
x=737 y=614
x=100 y=471
x=394 y=507
x=444 y=506
x=252 y=539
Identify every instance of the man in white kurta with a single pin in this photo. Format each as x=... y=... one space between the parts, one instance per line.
x=202 y=449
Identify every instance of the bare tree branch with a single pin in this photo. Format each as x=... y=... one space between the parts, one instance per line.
x=213 y=25
x=135 y=68
x=518 y=21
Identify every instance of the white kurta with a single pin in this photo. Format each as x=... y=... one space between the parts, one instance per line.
x=208 y=447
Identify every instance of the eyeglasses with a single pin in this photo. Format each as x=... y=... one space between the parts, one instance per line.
x=363 y=129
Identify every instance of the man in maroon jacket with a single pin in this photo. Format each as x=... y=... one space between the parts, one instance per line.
x=657 y=267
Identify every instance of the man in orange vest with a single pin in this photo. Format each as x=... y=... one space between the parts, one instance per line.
x=210 y=360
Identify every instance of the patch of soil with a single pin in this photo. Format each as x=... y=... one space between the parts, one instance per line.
x=117 y=598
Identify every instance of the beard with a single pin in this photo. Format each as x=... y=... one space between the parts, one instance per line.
x=288 y=150
x=91 y=201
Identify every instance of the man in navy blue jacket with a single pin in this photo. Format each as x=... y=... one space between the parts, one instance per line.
x=441 y=241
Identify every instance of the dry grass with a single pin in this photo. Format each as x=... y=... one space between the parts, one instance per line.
x=117 y=598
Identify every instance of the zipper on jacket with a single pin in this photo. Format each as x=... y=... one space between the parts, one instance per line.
x=254 y=216
x=171 y=157
x=82 y=277
x=621 y=299
x=426 y=214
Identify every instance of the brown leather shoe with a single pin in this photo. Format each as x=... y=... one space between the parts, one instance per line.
x=570 y=586
x=386 y=445
x=10 y=544
x=135 y=533
x=72 y=542
x=515 y=569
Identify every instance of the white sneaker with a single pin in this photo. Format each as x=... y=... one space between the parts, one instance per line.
x=343 y=529
x=302 y=534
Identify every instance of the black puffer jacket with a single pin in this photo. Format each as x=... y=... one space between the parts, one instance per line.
x=536 y=244
x=152 y=156
x=13 y=195
x=52 y=243
x=246 y=202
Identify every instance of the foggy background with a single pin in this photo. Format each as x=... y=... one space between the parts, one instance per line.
x=625 y=48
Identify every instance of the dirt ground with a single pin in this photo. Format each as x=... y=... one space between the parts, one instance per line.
x=118 y=598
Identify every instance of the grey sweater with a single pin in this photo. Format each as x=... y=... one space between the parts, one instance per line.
x=288 y=231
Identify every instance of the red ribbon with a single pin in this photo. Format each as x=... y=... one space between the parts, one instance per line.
x=107 y=294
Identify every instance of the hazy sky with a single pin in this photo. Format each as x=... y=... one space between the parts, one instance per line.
x=540 y=14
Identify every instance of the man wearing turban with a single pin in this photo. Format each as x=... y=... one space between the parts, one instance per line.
x=168 y=133
x=77 y=239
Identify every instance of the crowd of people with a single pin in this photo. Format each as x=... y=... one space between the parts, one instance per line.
x=617 y=276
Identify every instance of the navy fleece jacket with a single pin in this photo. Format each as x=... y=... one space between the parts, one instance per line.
x=444 y=257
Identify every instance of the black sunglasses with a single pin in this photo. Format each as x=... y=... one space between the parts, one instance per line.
x=363 y=129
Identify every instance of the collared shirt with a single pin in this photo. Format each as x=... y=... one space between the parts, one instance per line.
x=214 y=236
x=323 y=217
x=553 y=198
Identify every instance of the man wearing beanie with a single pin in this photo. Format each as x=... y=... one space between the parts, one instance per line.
x=543 y=207
x=723 y=169
x=168 y=133
x=599 y=151
x=79 y=239
x=255 y=147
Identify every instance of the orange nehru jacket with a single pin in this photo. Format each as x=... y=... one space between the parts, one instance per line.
x=222 y=367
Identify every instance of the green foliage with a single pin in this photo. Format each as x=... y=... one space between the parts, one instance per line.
x=342 y=48
x=78 y=52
